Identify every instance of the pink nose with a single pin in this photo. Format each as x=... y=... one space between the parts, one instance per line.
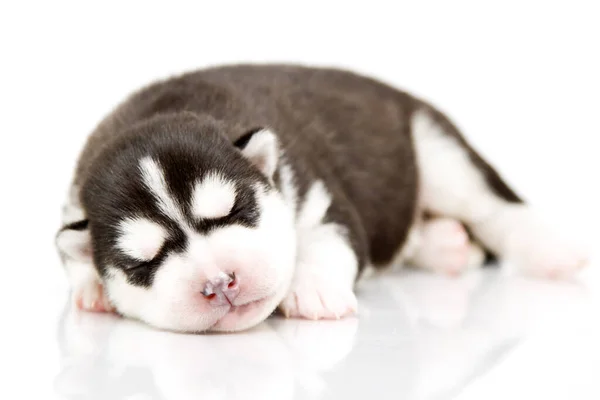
x=222 y=290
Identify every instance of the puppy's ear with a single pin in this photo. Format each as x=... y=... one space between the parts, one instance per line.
x=74 y=241
x=261 y=147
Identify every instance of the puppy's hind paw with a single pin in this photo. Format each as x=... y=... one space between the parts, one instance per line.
x=544 y=253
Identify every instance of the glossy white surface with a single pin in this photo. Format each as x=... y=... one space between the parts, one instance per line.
x=485 y=335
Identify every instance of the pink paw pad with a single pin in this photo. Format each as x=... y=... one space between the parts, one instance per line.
x=445 y=247
x=91 y=297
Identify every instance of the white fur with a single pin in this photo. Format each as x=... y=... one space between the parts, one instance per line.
x=262 y=258
x=213 y=197
x=288 y=189
x=452 y=186
x=141 y=238
x=326 y=264
x=154 y=180
x=263 y=151
x=316 y=203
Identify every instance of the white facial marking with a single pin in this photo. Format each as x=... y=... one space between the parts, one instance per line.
x=141 y=238
x=131 y=300
x=213 y=197
x=154 y=180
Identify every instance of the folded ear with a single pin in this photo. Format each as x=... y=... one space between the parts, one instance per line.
x=74 y=241
x=261 y=147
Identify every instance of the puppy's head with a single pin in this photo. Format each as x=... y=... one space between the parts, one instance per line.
x=187 y=229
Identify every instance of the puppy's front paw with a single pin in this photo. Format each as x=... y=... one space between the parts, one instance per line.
x=90 y=296
x=317 y=298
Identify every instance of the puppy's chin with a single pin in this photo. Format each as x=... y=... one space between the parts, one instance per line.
x=243 y=317
x=248 y=315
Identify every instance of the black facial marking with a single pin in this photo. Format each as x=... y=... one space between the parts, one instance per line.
x=76 y=226
x=245 y=138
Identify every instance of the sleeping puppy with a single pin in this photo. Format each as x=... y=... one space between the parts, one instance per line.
x=208 y=200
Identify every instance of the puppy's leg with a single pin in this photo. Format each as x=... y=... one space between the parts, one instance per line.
x=74 y=245
x=327 y=260
x=457 y=183
x=443 y=245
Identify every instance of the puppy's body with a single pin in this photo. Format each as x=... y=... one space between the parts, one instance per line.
x=349 y=132
x=309 y=174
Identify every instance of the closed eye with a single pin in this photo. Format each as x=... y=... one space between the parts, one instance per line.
x=140 y=265
x=176 y=243
x=137 y=265
x=236 y=210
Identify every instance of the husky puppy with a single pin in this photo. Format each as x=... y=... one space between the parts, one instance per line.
x=206 y=201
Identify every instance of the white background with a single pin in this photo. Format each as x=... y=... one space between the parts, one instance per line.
x=521 y=78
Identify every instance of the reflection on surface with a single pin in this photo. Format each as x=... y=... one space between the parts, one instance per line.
x=419 y=336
